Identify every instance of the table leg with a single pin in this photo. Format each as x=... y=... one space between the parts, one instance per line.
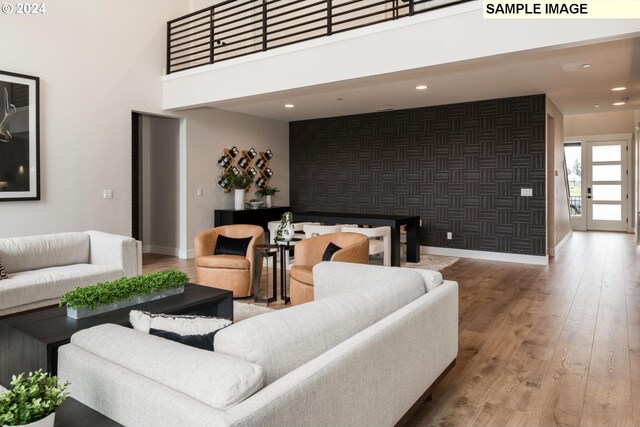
x=395 y=246
x=413 y=242
x=284 y=254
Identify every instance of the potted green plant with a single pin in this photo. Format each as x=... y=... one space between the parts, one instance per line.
x=103 y=297
x=32 y=400
x=240 y=183
x=267 y=192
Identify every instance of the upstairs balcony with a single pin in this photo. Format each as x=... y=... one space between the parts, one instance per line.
x=236 y=28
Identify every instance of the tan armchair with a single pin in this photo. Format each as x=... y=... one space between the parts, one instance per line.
x=231 y=272
x=355 y=249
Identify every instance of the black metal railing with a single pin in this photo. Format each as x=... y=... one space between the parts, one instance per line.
x=236 y=28
x=575 y=205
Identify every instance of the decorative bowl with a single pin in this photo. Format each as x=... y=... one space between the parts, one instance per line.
x=255 y=205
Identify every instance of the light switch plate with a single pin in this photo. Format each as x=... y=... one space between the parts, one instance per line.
x=526 y=192
x=107 y=194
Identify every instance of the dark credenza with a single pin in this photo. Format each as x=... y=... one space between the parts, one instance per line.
x=260 y=216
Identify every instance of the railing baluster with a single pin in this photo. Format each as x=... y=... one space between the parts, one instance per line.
x=411 y=8
x=211 y=33
x=264 y=25
x=329 y=17
x=168 y=47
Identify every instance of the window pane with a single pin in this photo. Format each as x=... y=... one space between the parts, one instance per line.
x=607 y=172
x=606 y=153
x=607 y=212
x=609 y=193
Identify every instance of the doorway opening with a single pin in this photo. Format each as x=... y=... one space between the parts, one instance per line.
x=599 y=182
x=155 y=183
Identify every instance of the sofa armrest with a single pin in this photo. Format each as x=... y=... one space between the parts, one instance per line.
x=117 y=251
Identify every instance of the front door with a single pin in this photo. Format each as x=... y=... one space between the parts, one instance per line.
x=607 y=182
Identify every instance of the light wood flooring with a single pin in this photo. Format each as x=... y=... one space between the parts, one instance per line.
x=539 y=346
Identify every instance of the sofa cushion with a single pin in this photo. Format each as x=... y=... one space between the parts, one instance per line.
x=302 y=274
x=47 y=283
x=36 y=252
x=283 y=340
x=214 y=379
x=233 y=262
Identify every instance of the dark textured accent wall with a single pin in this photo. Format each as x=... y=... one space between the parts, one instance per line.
x=460 y=167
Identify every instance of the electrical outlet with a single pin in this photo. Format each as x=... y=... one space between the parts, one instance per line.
x=526 y=192
x=199 y=192
x=107 y=194
x=420 y=222
x=449 y=235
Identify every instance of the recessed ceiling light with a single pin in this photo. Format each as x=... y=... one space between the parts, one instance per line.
x=289 y=105
x=586 y=65
x=421 y=87
x=617 y=104
x=619 y=88
x=597 y=106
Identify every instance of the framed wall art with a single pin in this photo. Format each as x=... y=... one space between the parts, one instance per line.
x=19 y=137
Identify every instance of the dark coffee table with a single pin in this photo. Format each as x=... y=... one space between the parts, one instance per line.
x=30 y=341
x=74 y=414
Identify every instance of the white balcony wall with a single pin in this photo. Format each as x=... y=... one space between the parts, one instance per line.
x=457 y=33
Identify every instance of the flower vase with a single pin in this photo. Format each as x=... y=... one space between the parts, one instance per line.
x=288 y=233
x=239 y=200
x=267 y=201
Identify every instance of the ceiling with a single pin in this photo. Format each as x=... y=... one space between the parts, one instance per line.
x=556 y=72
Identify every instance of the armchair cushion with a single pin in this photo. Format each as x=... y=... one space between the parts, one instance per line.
x=332 y=248
x=233 y=262
x=232 y=246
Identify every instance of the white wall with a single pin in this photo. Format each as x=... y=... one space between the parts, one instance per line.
x=208 y=132
x=599 y=123
x=97 y=60
x=558 y=218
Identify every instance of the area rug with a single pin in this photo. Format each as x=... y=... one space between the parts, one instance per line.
x=432 y=262
x=243 y=311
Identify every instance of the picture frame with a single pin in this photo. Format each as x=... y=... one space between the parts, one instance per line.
x=19 y=137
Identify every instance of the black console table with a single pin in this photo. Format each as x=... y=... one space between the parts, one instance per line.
x=412 y=224
x=260 y=216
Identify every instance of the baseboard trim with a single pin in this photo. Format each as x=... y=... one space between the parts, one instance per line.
x=490 y=256
x=162 y=250
x=186 y=254
x=565 y=239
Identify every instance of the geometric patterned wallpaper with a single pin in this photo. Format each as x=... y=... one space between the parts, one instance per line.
x=460 y=167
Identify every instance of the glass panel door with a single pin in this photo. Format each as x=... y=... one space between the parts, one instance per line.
x=607 y=186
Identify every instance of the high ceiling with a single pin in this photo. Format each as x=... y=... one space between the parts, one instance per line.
x=556 y=72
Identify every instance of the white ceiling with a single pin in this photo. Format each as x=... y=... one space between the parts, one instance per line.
x=556 y=72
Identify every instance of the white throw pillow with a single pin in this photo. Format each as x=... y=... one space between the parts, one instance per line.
x=183 y=325
x=3 y=273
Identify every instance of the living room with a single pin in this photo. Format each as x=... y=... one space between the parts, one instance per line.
x=454 y=142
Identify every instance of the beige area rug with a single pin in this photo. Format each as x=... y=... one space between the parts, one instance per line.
x=243 y=311
x=432 y=262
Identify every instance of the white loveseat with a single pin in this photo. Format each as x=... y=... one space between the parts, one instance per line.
x=362 y=354
x=42 y=268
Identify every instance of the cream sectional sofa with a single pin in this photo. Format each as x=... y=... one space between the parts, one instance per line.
x=42 y=268
x=362 y=354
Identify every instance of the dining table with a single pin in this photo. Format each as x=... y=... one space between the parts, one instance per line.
x=395 y=222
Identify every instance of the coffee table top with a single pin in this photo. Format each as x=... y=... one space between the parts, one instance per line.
x=52 y=326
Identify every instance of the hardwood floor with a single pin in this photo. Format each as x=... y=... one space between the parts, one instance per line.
x=555 y=345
